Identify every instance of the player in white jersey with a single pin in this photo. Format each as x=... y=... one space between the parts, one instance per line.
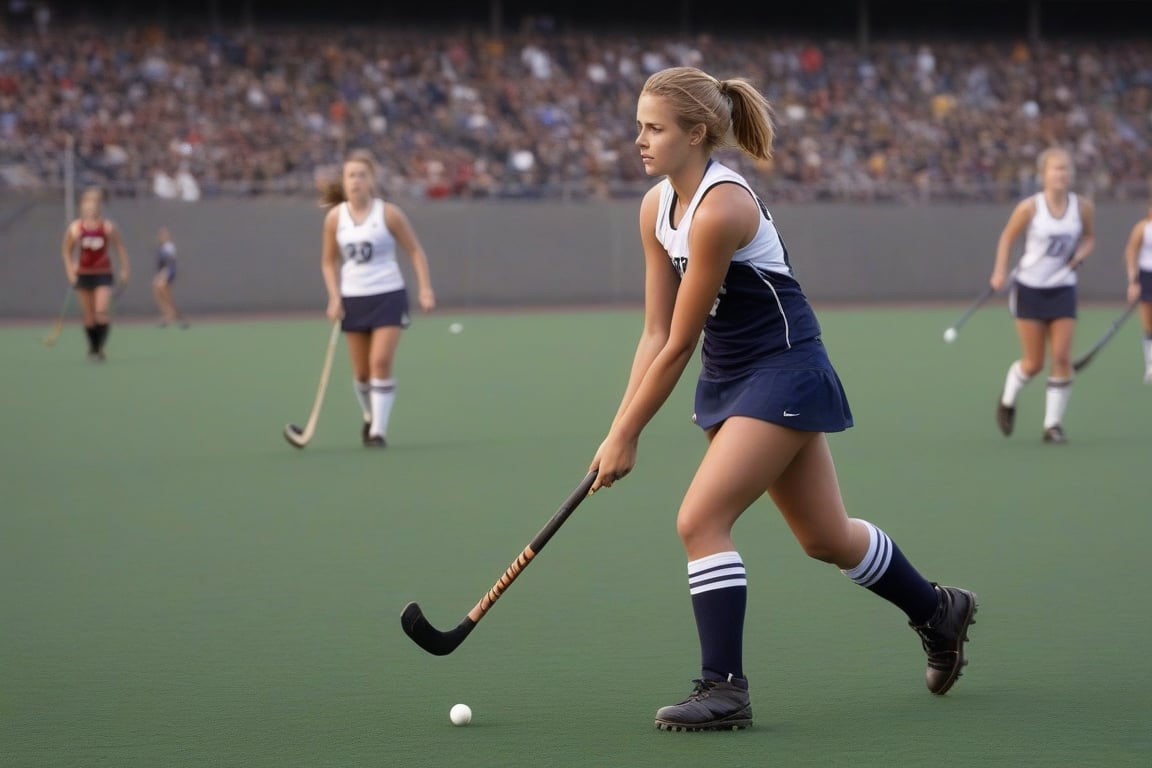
x=1059 y=233
x=366 y=289
x=1138 y=263
x=767 y=392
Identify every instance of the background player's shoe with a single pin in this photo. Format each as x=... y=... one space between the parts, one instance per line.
x=944 y=636
x=375 y=441
x=364 y=431
x=1005 y=418
x=713 y=705
x=1055 y=434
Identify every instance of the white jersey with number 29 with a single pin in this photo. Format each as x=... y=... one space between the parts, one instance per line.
x=368 y=250
x=1049 y=245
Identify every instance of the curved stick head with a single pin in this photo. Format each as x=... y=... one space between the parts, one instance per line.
x=428 y=637
x=295 y=436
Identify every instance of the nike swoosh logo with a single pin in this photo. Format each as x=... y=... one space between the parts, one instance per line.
x=789 y=415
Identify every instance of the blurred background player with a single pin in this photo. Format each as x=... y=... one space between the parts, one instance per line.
x=1058 y=234
x=165 y=276
x=366 y=289
x=767 y=392
x=1138 y=262
x=89 y=268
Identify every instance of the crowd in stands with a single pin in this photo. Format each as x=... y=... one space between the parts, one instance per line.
x=190 y=115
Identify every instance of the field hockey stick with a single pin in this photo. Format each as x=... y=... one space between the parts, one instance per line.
x=443 y=643
x=1081 y=362
x=951 y=331
x=58 y=328
x=296 y=437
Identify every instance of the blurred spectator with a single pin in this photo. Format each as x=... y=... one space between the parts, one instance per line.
x=544 y=113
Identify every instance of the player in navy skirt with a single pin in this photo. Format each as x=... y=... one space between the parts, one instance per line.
x=767 y=392
x=90 y=270
x=1058 y=230
x=366 y=290
x=1138 y=264
x=163 y=279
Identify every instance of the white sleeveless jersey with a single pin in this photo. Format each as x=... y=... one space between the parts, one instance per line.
x=765 y=252
x=1144 y=260
x=369 y=253
x=1049 y=245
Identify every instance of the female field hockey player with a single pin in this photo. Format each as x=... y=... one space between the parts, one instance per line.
x=1138 y=263
x=366 y=290
x=89 y=268
x=766 y=395
x=164 y=277
x=1057 y=226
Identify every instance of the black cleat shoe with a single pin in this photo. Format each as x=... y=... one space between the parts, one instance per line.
x=364 y=432
x=713 y=705
x=375 y=441
x=1005 y=418
x=944 y=636
x=1055 y=434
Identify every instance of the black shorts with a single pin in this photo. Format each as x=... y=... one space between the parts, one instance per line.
x=383 y=310
x=1028 y=303
x=1145 y=285
x=92 y=281
x=169 y=274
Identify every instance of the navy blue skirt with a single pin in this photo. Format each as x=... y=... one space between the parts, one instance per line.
x=798 y=389
x=382 y=310
x=1028 y=303
x=1145 y=285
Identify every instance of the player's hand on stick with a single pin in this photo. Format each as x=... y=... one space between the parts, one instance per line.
x=999 y=279
x=335 y=309
x=125 y=274
x=427 y=299
x=1133 y=291
x=614 y=460
x=72 y=276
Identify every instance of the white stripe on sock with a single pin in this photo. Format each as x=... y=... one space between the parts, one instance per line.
x=876 y=559
x=722 y=570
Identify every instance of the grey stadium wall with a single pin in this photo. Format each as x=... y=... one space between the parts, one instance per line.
x=262 y=255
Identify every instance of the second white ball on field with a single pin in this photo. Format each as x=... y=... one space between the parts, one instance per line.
x=461 y=714
x=455 y=328
x=950 y=335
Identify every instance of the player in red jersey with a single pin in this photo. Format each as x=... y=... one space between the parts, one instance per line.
x=91 y=274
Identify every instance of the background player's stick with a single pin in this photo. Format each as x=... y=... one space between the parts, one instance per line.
x=951 y=331
x=301 y=437
x=58 y=328
x=1081 y=362
x=443 y=643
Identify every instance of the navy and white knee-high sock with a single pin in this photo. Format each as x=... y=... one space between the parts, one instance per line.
x=719 y=588
x=382 y=396
x=886 y=572
x=1013 y=383
x=1056 y=401
x=363 y=396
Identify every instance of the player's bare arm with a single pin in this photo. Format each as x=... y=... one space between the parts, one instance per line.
x=113 y=233
x=1017 y=224
x=719 y=227
x=330 y=264
x=401 y=228
x=67 y=249
x=660 y=285
x=1087 y=242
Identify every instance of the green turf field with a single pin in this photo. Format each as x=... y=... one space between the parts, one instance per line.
x=182 y=588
